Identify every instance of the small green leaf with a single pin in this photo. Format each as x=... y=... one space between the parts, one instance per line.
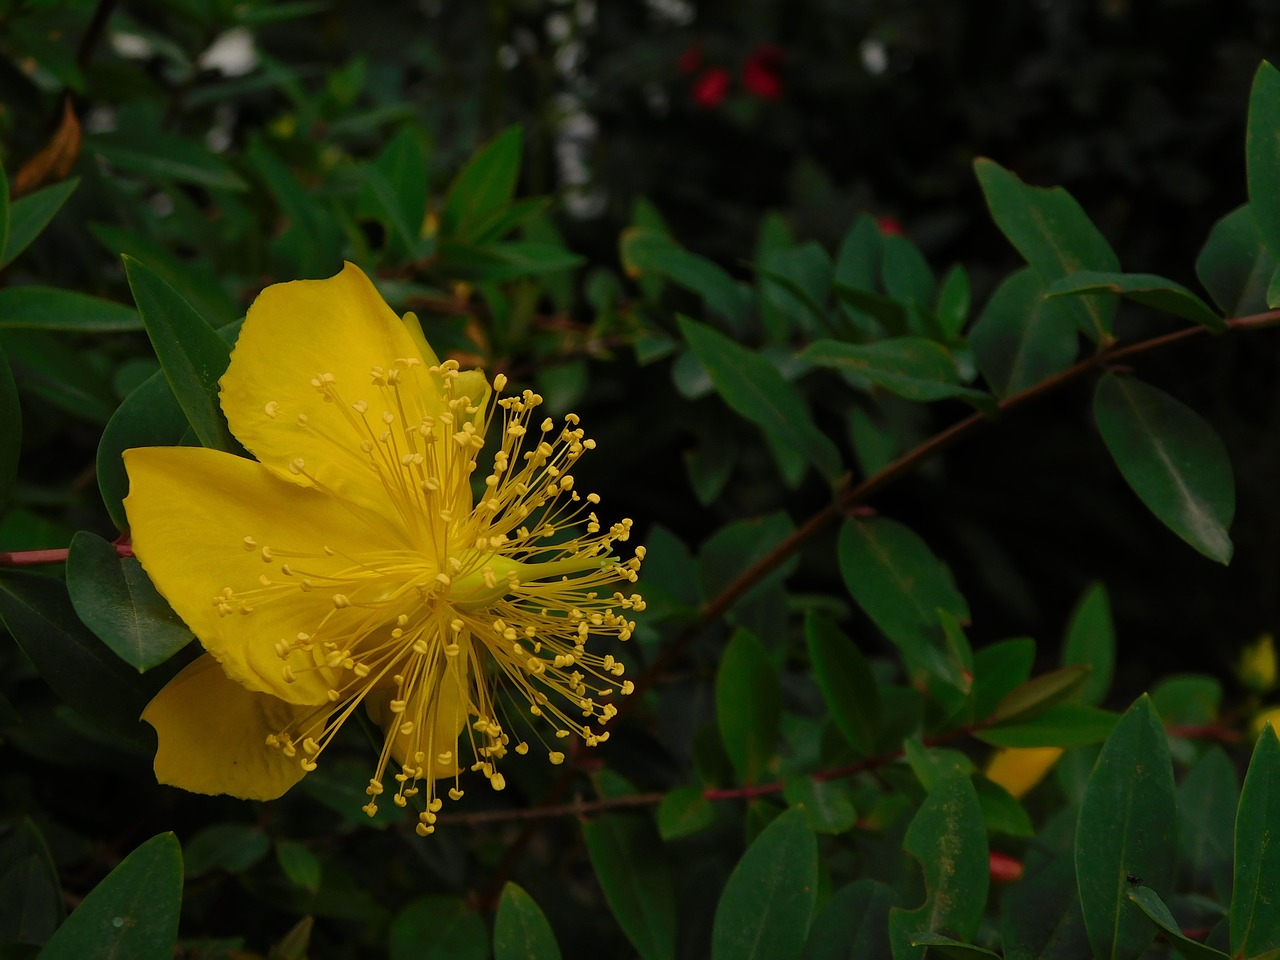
x=164 y=157
x=440 y=928
x=1042 y=918
x=1001 y=810
x=845 y=678
x=190 y=352
x=304 y=869
x=889 y=312
x=1039 y=694
x=753 y=388
x=854 y=923
x=47 y=308
x=1091 y=640
x=1126 y=828
x=29 y=887
x=684 y=811
x=827 y=804
x=116 y=600
x=1145 y=288
x=1255 y=921
x=912 y=367
x=10 y=430
x=1262 y=154
x=1207 y=799
x=906 y=274
x=999 y=669
x=1021 y=338
x=233 y=847
x=764 y=911
x=486 y=184
x=1172 y=459
x=29 y=215
x=948 y=838
x=1189 y=699
x=748 y=706
x=1234 y=265
x=1065 y=725
x=946 y=947
x=954 y=301
x=648 y=252
x=132 y=913
x=1054 y=235
x=1149 y=902
x=628 y=859
x=520 y=931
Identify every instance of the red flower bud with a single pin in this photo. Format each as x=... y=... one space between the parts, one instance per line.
x=890 y=227
x=710 y=89
x=1004 y=869
x=760 y=72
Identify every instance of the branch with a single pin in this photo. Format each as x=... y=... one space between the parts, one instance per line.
x=32 y=558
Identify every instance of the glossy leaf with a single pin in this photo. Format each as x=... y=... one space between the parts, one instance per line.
x=684 y=811
x=1149 y=902
x=484 y=186
x=1145 y=288
x=190 y=352
x=847 y=685
x=29 y=887
x=1172 y=459
x=948 y=838
x=116 y=600
x=1255 y=921
x=627 y=856
x=912 y=367
x=767 y=902
x=1262 y=154
x=10 y=429
x=1234 y=265
x=439 y=928
x=520 y=931
x=1039 y=694
x=753 y=388
x=29 y=215
x=748 y=706
x=1064 y=725
x=854 y=924
x=1091 y=641
x=47 y=308
x=1053 y=234
x=132 y=913
x=1127 y=827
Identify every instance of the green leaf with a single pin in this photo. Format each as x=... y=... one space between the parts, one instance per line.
x=797 y=282
x=81 y=670
x=753 y=388
x=947 y=836
x=1172 y=459
x=684 y=811
x=1207 y=798
x=999 y=669
x=764 y=911
x=748 y=706
x=1234 y=266
x=845 y=678
x=233 y=847
x=1054 y=235
x=164 y=157
x=912 y=367
x=895 y=578
x=827 y=804
x=29 y=887
x=1187 y=699
x=485 y=185
x=1091 y=640
x=520 y=931
x=10 y=430
x=305 y=871
x=29 y=215
x=649 y=252
x=116 y=600
x=132 y=913
x=190 y=352
x=1039 y=694
x=947 y=947
x=906 y=274
x=889 y=312
x=148 y=417
x=1001 y=810
x=628 y=859
x=1065 y=725
x=1262 y=154
x=1042 y=919
x=1149 y=902
x=1255 y=921
x=954 y=301
x=1145 y=288
x=439 y=928
x=1021 y=338
x=47 y=308
x=854 y=924
x=6 y=214
x=1127 y=827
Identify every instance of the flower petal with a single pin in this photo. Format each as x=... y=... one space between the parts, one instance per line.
x=191 y=510
x=307 y=330
x=440 y=710
x=212 y=735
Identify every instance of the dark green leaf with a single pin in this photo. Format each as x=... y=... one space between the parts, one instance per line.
x=116 y=600
x=29 y=215
x=190 y=352
x=484 y=185
x=748 y=706
x=628 y=859
x=1149 y=902
x=854 y=924
x=1022 y=339
x=753 y=388
x=1039 y=694
x=1127 y=827
x=1262 y=154
x=51 y=368
x=439 y=928
x=1173 y=460
x=906 y=274
x=1188 y=699
x=46 y=308
x=797 y=281
x=520 y=931
x=1064 y=725
x=132 y=913
x=764 y=911
x=304 y=869
x=888 y=311
x=164 y=157
x=1234 y=266
x=999 y=669
x=948 y=838
x=29 y=887
x=684 y=811
x=1145 y=288
x=954 y=301
x=1207 y=798
x=1042 y=918
x=1091 y=641
x=233 y=847
x=845 y=679
x=1001 y=811
x=827 y=804
x=912 y=367
x=648 y=252
x=1054 y=235
x=946 y=947
x=1255 y=921
x=10 y=430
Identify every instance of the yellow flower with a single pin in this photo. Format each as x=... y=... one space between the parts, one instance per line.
x=351 y=564
x=1257 y=669
x=1018 y=769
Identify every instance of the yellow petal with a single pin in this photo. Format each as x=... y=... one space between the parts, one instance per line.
x=1018 y=769
x=306 y=330
x=442 y=711
x=190 y=510
x=212 y=735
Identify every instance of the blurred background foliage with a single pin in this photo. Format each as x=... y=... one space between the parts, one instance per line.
x=230 y=145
